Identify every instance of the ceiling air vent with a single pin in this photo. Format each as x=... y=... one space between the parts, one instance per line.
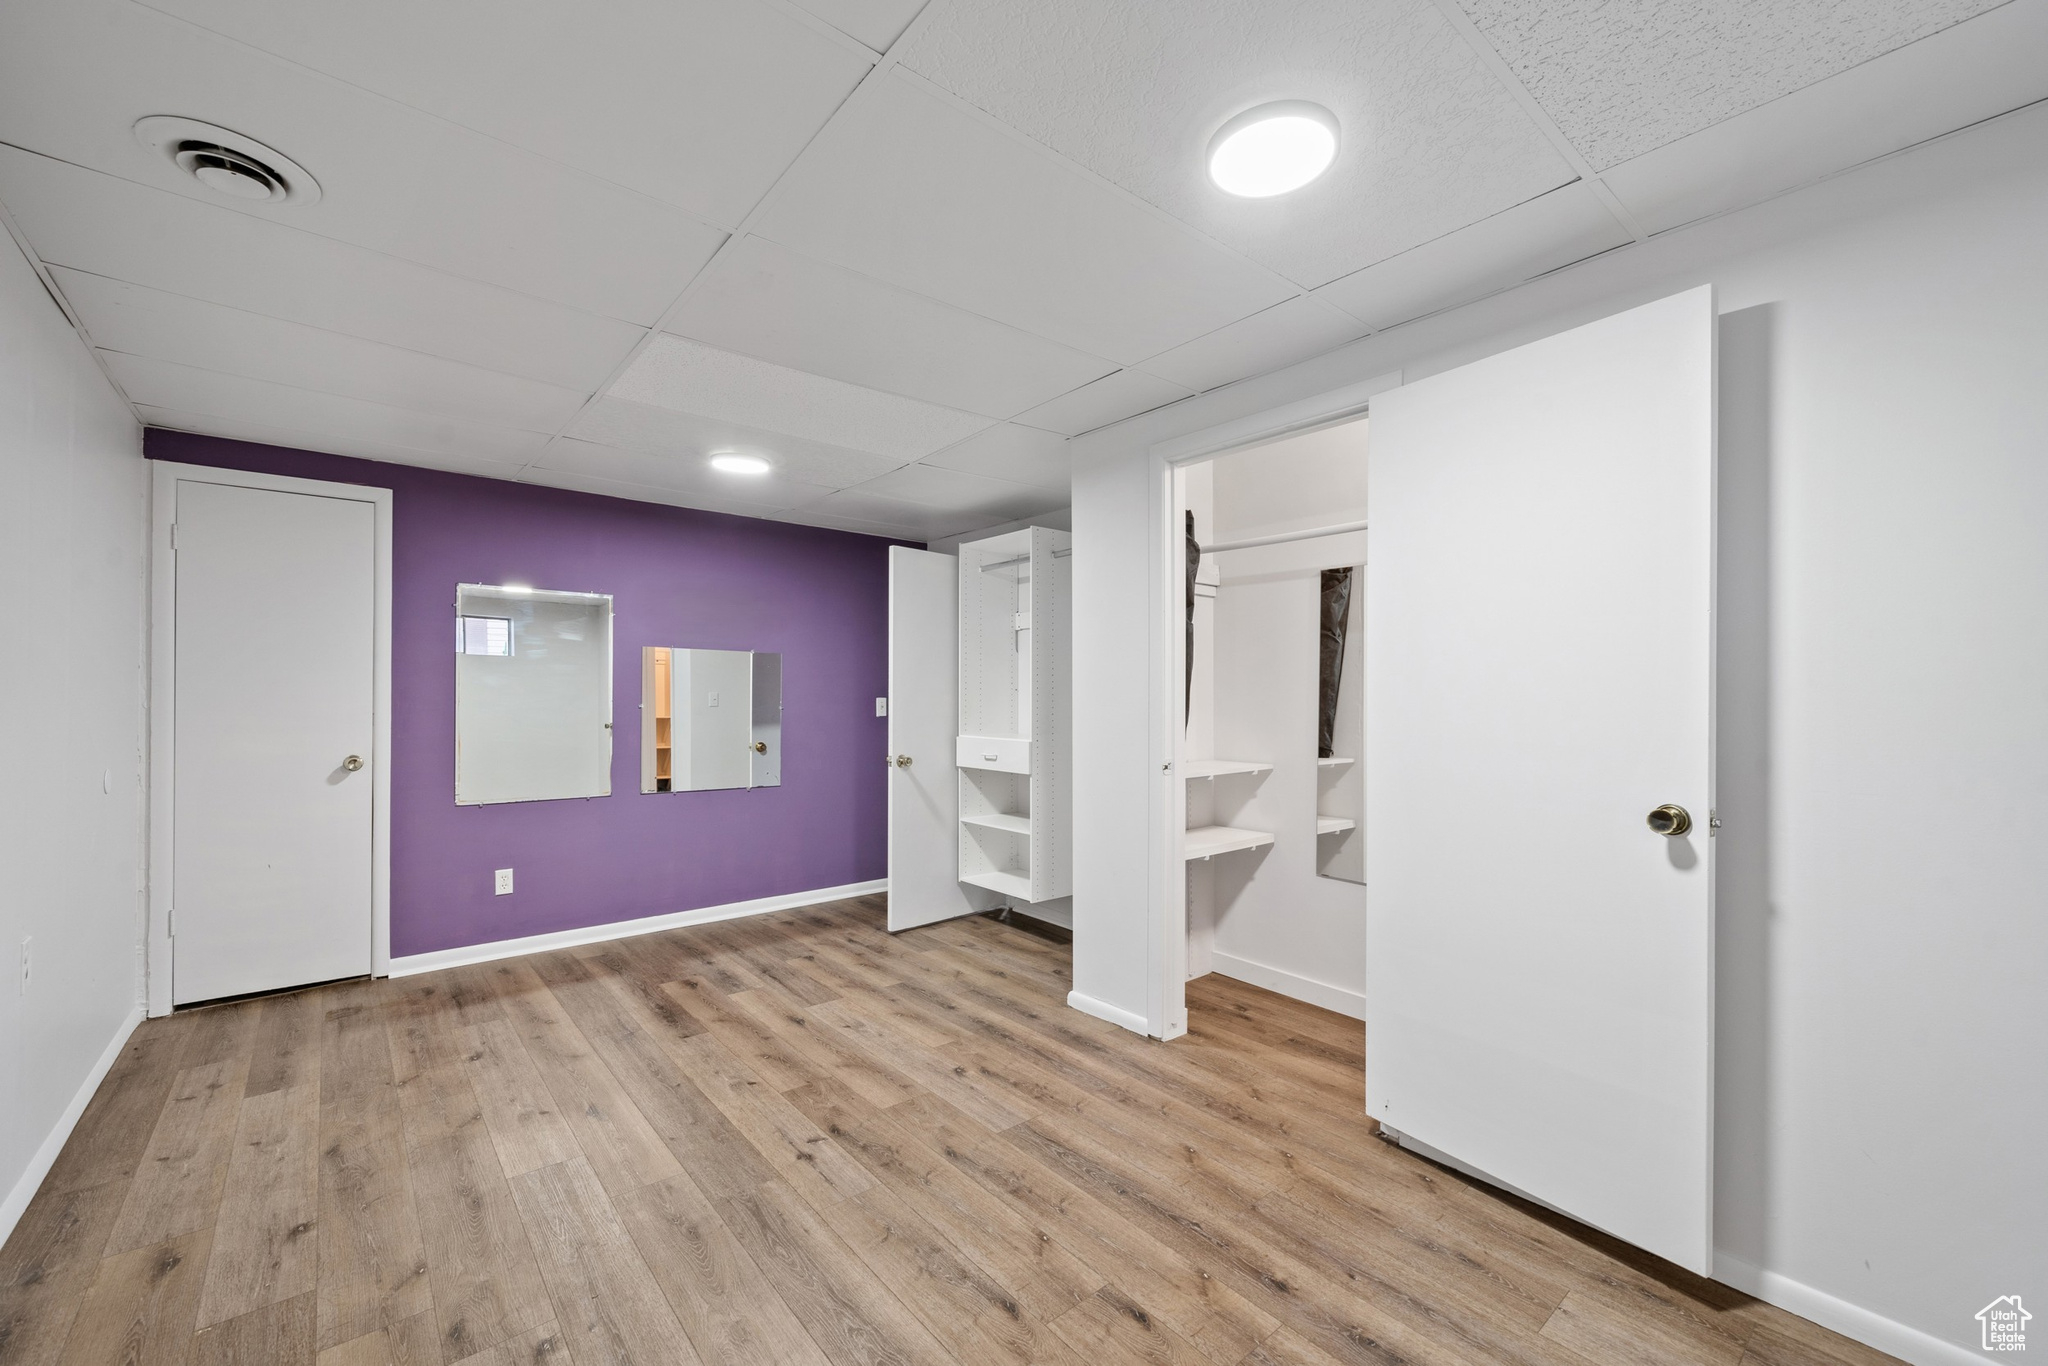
x=226 y=162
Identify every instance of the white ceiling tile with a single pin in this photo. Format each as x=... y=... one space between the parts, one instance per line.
x=161 y=384
x=1561 y=227
x=1623 y=79
x=658 y=431
x=832 y=522
x=764 y=300
x=680 y=473
x=74 y=78
x=908 y=519
x=951 y=491
x=876 y=23
x=1430 y=140
x=148 y=322
x=1960 y=76
x=1020 y=454
x=105 y=226
x=327 y=442
x=1123 y=394
x=688 y=377
x=1266 y=341
x=907 y=187
x=552 y=476
x=701 y=103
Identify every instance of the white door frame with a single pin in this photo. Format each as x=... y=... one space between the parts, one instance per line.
x=1166 y=1011
x=163 y=702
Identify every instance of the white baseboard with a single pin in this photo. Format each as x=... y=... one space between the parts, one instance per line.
x=1103 y=1010
x=1850 y=1320
x=46 y=1156
x=1343 y=1000
x=622 y=929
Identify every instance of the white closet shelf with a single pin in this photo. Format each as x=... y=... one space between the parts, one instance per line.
x=1204 y=840
x=1218 y=768
x=997 y=880
x=1332 y=762
x=995 y=820
x=1331 y=825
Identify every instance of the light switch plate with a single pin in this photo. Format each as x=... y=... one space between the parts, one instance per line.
x=504 y=883
x=881 y=706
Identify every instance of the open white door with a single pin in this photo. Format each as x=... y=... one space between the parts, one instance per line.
x=1539 y=666
x=924 y=721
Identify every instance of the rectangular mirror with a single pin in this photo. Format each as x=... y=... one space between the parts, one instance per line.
x=533 y=694
x=709 y=719
x=1340 y=725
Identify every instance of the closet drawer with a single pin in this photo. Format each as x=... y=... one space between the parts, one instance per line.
x=1004 y=753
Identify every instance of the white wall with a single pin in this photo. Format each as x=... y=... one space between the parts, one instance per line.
x=73 y=537
x=1883 y=940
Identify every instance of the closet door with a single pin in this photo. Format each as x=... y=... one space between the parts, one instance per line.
x=1539 y=654
x=924 y=721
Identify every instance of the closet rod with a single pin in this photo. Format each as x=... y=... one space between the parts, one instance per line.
x=1283 y=537
x=1022 y=559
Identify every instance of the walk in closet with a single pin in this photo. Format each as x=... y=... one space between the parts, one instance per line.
x=1271 y=758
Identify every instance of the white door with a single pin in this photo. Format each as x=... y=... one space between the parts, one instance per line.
x=274 y=678
x=924 y=721
x=1538 y=661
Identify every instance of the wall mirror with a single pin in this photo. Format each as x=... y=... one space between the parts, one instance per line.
x=709 y=719
x=533 y=694
x=1340 y=725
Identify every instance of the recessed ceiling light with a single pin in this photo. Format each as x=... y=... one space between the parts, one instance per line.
x=729 y=463
x=1273 y=149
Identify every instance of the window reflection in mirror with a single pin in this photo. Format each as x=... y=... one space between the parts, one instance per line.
x=710 y=719
x=533 y=694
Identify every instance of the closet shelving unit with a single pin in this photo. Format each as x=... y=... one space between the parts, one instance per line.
x=1016 y=714
x=1207 y=841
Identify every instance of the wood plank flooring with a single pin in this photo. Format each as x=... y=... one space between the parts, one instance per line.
x=799 y=1140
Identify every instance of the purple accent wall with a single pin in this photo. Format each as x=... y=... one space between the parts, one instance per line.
x=677 y=577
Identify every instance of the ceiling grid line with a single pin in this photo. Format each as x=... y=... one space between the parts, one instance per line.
x=1455 y=15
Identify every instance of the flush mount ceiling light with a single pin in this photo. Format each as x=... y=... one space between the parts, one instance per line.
x=226 y=162
x=729 y=462
x=1272 y=149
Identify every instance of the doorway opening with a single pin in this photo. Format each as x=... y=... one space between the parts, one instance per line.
x=1272 y=717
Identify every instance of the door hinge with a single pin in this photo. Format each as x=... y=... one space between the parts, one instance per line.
x=174 y=535
x=171 y=923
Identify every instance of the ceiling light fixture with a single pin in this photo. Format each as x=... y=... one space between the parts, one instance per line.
x=226 y=162
x=727 y=462
x=1272 y=149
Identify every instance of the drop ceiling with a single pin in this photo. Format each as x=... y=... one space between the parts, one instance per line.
x=903 y=250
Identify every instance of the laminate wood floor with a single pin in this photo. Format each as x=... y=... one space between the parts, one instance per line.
x=798 y=1140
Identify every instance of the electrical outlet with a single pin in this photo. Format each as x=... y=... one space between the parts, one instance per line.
x=26 y=941
x=504 y=883
x=881 y=706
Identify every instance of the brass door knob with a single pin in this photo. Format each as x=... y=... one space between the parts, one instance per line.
x=760 y=746
x=354 y=763
x=903 y=761
x=1671 y=821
